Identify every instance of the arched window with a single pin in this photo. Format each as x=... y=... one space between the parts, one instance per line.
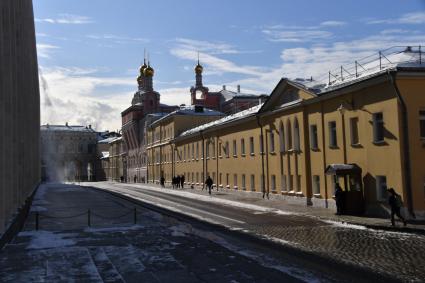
x=271 y=141
x=289 y=134
x=296 y=135
x=282 y=137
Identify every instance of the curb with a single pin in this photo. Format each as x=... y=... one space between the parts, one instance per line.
x=316 y=259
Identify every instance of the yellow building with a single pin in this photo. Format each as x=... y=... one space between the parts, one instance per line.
x=365 y=131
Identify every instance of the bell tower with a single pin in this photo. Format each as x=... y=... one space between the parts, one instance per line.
x=199 y=91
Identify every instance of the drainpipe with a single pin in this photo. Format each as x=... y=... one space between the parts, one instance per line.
x=406 y=148
x=203 y=158
x=262 y=157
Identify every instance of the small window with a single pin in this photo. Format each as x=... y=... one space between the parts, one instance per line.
x=289 y=134
x=197 y=150
x=298 y=183
x=313 y=137
x=262 y=182
x=378 y=127
x=242 y=147
x=220 y=178
x=235 y=181
x=296 y=135
x=273 y=183
x=316 y=184
x=251 y=145
x=219 y=149
x=282 y=138
x=252 y=182
x=381 y=188
x=243 y=182
x=332 y=134
x=235 y=148
x=193 y=151
x=283 y=183
x=207 y=149
x=227 y=149
x=291 y=182
x=227 y=179
x=213 y=149
x=422 y=123
x=354 y=130
x=271 y=141
x=261 y=144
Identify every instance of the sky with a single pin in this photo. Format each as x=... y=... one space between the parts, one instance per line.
x=89 y=52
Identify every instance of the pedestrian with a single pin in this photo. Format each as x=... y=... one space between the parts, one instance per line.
x=209 y=183
x=178 y=181
x=122 y=179
x=173 y=182
x=395 y=203
x=162 y=181
x=182 y=181
x=339 y=199
x=135 y=178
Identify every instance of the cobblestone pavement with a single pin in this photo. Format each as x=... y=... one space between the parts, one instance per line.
x=156 y=249
x=397 y=254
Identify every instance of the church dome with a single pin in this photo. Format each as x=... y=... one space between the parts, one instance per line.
x=148 y=72
x=198 y=69
x=142 y=68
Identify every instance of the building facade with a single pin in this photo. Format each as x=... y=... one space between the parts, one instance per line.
x=19 y=109
x=68 y=153
x=365 y=132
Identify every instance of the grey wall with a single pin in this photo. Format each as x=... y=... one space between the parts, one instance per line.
x=19 y=108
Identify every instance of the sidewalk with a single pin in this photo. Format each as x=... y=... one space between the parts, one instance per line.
x=326 y=214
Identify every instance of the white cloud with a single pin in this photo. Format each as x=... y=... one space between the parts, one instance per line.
x=66 y=19
x=117 y=38
x=409 y=18
x=44 y=50
x=333 y=23
x=296 y=35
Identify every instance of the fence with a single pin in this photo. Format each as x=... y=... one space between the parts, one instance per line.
x=90 y=214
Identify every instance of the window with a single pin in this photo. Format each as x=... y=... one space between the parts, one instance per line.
x=197 y=150
x=273 y=183
x=213 y=177
x=207 y=149
x=298 y=183
x=235 y=181
x=219 y=149
x=422 y=123
x=242 y=147
x=261 y=144
x=243 y=182
x=313 y=137
x=332 y=134
x=282 y=138
x=197 y=177
x=289 y=135
x=235 y=148
x=262 y=182
x=252 y=182
x=213 y=149
x=184 y=150
x=378 y=127
x=271 y=141
x=296 y=135
x=220 y=179
x=227 y=179
x=226 y=149
x=316 y=184
x=381 y=188
x=283 y=183
x=193 y=151
x=290 y=182
x=251 y=145
x=354 y=130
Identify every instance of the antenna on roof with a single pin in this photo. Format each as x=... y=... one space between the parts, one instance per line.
x=144 y=55
x=198 y=57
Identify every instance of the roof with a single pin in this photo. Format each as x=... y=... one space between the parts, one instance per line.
x=190 y=110
x=107 y=140
x=342 y=169
x=105 y=154
x=228 y=94
x=391 y=59
x=68 y=128
x=233 y=117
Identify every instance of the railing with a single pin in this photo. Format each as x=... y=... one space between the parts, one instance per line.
x=89 y=213
x=382 y=60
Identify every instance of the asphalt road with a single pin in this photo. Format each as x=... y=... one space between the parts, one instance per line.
x=399 y=256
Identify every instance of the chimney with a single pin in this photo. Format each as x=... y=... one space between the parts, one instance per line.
x=89 y=126
x=224 y=87
x=239 y=88
x=66 y=124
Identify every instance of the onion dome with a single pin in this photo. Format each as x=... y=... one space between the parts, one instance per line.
x=198 y=68
x=142 y=68
x=148 y=72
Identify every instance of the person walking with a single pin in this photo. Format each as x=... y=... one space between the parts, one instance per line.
x=135 y=179
x=162 y=181
x=209 y=183
x=395 y=202
x=178 y=181
x=173 y=182
x=339 y=199
x=182 y=181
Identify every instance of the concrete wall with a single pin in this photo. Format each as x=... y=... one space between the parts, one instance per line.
x=19 y=108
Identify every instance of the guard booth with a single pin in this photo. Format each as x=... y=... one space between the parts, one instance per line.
x=352 y=185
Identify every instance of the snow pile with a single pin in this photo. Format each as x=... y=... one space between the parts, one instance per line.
x=47 y=239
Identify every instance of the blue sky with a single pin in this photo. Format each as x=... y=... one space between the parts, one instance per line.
x=89 y=51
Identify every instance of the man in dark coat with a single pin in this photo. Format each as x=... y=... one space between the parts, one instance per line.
x=209 y=183
x=178 y=181
x=182 y=181
x=339 y=199
x=394 y=200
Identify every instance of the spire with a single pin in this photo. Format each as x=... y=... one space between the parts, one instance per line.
x=198 y=72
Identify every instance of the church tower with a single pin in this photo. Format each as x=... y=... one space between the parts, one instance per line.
x=198 y=92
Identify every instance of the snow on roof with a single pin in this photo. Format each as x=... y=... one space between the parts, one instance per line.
x=105 y=154
x=226 y=119
x=228 y=94
x=115 y=139
x=190 y=110
x=107 y=140
x=389 y=59
x=69 y=128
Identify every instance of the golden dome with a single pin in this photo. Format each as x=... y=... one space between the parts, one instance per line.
x=148 y=72
x=142 y=68
x=198 y=69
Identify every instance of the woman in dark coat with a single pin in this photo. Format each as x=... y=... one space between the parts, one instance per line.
x=394 y=200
